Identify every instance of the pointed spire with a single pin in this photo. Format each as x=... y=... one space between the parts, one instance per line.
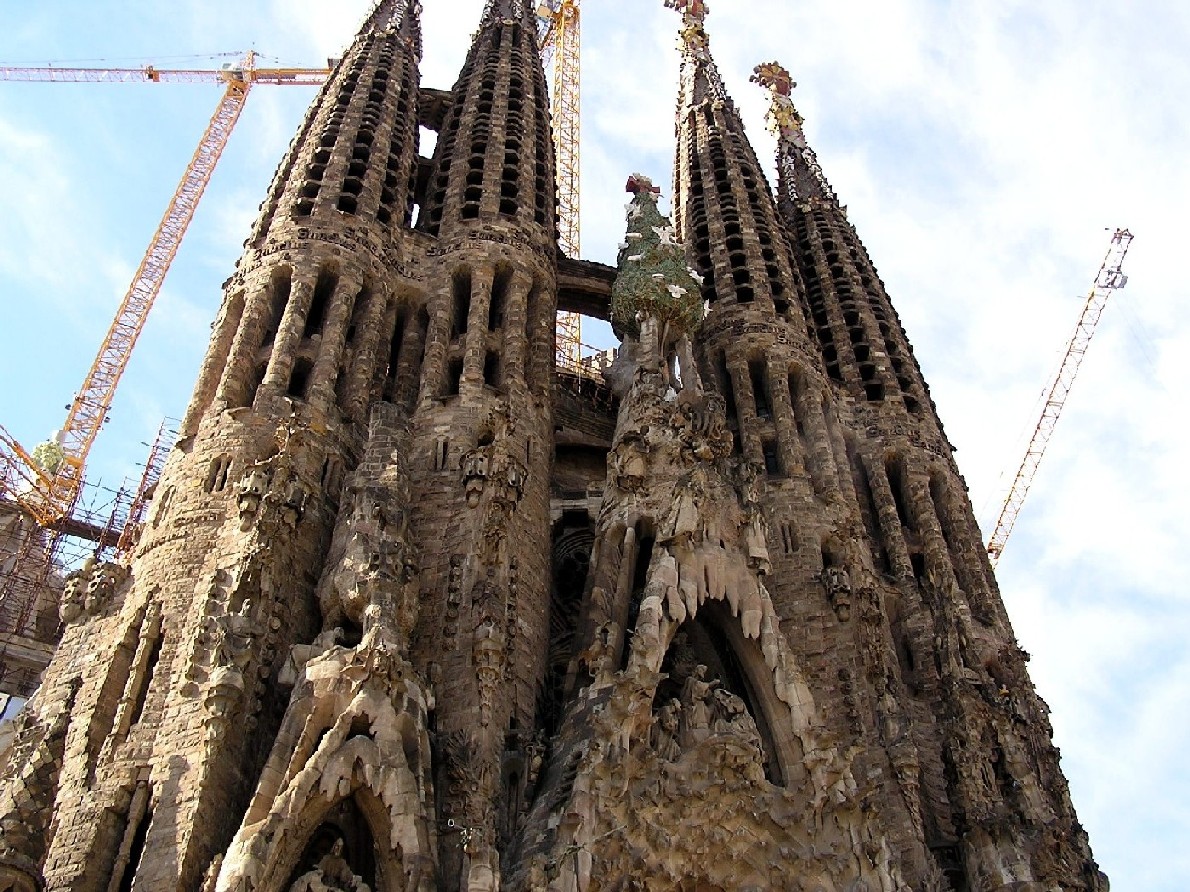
x=801 y=176
x=721 y=198
x=522 y=11
x=394 y=15
x=700 y=77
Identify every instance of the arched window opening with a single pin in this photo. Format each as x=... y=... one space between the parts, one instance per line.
x=217 y=476
x=772 y=460
x=279 y=291
x=136 y=850
x=454 y=376
x=867 y=506
x=760 y=389
x=143 y=669
x=645 y=541
x=254 y=383
x=498 y=298
x=728 y=388
x=708 y=690
x=491 y=369
x=896 y=482
x=324 y=290
x=299 y=379
x=394 y=356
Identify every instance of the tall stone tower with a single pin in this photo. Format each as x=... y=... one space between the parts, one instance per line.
x=415 y=610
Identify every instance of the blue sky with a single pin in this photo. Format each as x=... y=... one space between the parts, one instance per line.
x=984 y=151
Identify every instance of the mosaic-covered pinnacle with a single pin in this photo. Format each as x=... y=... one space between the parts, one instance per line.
x=653 y=279
x=694 y=40
x=784 y=120
x=801 y=175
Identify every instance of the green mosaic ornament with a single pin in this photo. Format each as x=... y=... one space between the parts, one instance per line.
x=654 y=279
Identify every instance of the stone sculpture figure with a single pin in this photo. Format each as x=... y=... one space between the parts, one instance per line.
x=331 y=874
x=664 y=733
x=697 y=698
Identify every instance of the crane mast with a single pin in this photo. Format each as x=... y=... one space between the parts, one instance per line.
x=560 y=41
x=1111 y=278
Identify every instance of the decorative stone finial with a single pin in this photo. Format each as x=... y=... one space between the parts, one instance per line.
x=694 y=38
x=783 y=117
x=693 y=11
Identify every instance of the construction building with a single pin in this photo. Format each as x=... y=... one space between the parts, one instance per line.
x=414 y=609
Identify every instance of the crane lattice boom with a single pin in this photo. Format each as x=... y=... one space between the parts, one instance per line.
x=48 y=497
x=1111 y=278
x=297 y=77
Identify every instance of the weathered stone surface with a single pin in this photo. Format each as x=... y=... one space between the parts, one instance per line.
x=412 y=612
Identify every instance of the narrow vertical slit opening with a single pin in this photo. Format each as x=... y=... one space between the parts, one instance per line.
x=454 y=377
x=461 y=306
x=299 y=379
x=760 y=389
x=499 y=298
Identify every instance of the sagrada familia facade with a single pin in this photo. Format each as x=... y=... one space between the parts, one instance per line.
x=414 y=611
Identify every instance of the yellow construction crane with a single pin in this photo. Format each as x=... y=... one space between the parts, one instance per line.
x=560 y=41
x=1111 y=278
x=47 y=488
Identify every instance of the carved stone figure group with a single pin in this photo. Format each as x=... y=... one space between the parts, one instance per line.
x=704 y=708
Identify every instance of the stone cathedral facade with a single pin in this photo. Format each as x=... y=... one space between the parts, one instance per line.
x=415 y=610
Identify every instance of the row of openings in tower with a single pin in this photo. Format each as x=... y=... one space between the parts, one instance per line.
x=482 y=153
x=858 y=330
x=921 y=515
x=327 y=300
x=741 y=261
x=431 y=219
x=463 y=292
x=370 y=117
x=769 y=387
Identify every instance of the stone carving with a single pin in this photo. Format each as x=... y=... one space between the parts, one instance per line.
x=230 y=638
x=755 y=535
x=599 y=654
x=629 y=461
x=475 y=473
x=697 y=706
x=373 y=573
x=664 y=735
x=294 y=503
x=89 y=588
x=698 y=419
x=490 y=467
x=489 y=654
x=331 y=873
x=355 y=725
x=838 y=588
x=250 y=492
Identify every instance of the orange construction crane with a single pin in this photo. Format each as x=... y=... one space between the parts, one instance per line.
x=559 y=40
x=1111 y=278
x=47 y=490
